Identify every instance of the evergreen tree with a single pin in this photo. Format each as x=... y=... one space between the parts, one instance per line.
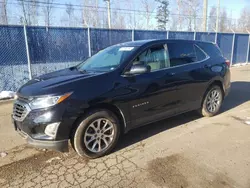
x=162 y=14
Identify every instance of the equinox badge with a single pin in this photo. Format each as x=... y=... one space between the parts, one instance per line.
x=141 y=104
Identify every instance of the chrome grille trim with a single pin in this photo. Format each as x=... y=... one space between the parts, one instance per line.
x=22 y=99
x=20 y=110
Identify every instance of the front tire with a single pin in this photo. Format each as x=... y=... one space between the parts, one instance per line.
x=96 y=134
x=212 y=101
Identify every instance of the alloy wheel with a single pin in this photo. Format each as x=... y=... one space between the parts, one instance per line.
x=214 y=100
x=99 y=135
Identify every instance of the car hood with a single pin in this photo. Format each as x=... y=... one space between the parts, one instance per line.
x=55 y=82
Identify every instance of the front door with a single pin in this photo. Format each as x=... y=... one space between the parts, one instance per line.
x=152 y=94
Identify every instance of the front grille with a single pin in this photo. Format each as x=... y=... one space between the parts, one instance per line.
x=20 y=110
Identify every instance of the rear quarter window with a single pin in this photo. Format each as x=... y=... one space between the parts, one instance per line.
x=211 y=49
x=200 y=55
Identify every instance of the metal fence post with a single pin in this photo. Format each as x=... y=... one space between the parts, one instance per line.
x=167 y=34
x=194 y=35
x=89 y=42
x=133 y=34
x=232 y=52
x=216 y=38
x=27 y=50
x=248 y=46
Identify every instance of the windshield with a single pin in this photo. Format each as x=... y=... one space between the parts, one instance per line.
x=107 y=59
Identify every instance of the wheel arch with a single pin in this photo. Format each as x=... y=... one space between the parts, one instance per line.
x=218 y=83
x=209 y=85
x=105 y=106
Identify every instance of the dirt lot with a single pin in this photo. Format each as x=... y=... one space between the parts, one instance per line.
x=184 y=151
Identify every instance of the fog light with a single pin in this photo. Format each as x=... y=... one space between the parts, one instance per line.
x=43 y=118
x=51 y=129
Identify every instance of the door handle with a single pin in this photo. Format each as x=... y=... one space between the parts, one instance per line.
x=170 y=74
x=206 y=66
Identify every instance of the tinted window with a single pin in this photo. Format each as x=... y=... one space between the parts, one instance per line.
x=181 y=53
x=155 y=57
x=199 y=54
x=211 y=49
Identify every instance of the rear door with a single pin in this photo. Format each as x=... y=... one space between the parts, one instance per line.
x=186 y=66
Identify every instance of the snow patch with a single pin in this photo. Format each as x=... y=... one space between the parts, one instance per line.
x=3 y=154
x=7 y=95
x=239 y=64
x=247 y=121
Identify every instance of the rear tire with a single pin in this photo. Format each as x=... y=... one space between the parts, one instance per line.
x=96 y=134
x=212 y=101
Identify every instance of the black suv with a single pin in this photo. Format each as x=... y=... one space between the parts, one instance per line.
x=118 y=89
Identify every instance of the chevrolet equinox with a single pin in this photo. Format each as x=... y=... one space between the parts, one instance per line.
x=118 y=89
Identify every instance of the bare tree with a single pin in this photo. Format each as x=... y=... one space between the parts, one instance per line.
x=149 y=7
x=85 y=18
x=244 y=20
x=25 y=16
x=118 y=21
x=4 y=16
x=223 y=23
x=131 y=19
x=70 y=11
x=91 y=15
x=192 y=8
x=118 y=18
x=212 y=19
x=30 y=11
x=34 y=12
x=175 y=23
x=134 y=19
x=180 y=8
x=47 y=10
x=188 y=11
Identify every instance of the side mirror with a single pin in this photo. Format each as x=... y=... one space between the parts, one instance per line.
x=139 y=69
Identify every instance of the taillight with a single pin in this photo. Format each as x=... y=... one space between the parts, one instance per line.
x=228 y=63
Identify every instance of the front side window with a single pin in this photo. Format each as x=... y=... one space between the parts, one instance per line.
x=181 y=53
x=155 y=57
x=107 y=59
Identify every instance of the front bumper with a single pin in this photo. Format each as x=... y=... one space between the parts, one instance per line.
x=32 y=127
x=60 y=145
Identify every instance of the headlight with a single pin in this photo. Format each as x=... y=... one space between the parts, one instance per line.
x=45 y=102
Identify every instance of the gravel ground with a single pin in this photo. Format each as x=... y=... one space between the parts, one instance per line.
x=184 y=151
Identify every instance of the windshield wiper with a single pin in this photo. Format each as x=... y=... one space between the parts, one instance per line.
x=72 y=68
x=82 y=71
x=79 y=69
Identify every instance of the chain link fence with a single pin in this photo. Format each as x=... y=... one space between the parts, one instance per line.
x=13 y=58
x=56 y=48
x=49 y=49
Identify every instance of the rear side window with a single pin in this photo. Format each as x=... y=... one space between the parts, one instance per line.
x=181 y=53
x=199 y=53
